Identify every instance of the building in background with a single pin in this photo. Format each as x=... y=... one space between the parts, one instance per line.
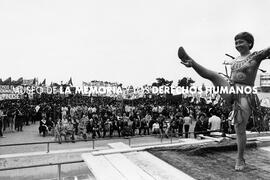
x=265 y=82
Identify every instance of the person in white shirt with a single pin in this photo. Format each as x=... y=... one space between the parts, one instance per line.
x=187 y=123
x=214 y=122
x=94 y=109
x=156 y=128
x=64 y=110
x=72 y=111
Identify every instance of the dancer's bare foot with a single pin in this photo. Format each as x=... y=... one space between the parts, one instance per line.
x=240 y=164
x=186 y=60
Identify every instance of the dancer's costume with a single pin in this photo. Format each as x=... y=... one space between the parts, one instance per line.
x=243 y=73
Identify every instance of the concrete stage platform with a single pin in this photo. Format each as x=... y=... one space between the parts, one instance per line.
x=124 y=162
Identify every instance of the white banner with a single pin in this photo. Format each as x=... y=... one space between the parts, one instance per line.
x=9 y=96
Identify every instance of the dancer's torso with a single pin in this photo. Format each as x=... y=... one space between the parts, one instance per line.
x=244 y=71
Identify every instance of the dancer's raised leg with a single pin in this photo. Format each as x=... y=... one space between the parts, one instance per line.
x=213 y=76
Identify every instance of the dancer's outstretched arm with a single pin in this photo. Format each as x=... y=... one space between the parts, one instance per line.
x=263 y=54
x=213 y=76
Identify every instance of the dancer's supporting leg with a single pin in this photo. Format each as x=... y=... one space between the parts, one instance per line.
x=243 y=112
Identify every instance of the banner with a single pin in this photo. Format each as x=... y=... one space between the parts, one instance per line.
x=9 y=96
x=28 y=82
x=6 y=89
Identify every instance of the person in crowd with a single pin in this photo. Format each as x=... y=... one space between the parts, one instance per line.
x=18 y=119
x=214 y=121
x=113 y=124
x=70 y=131
x=166 y=126
x=180 y=123
x=105 y=124
x=50 y=125
x=120 y=124
x=59 y=131
x=148 y=119
x=1 y=122
x=32 y=113
x=231 y=123
x=135 y=122
x=224 y=125
x=75 y=122
x=266 y=120
x=145 y=124
x=43 y=128
x=38 y=113
x=64 y=120
x=156 y=128
x=201 y=125
x=187 y=123
x=83 y=126
x=11 y=118
x=160 y=120
x=96 y=126
x=5 y=120
x=64 y=110
x=127 y=126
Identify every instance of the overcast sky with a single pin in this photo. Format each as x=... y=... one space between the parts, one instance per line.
x=128 y=41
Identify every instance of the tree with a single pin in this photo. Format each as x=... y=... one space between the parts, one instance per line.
x=18 y=82
x=185 y=82
x=162 y=82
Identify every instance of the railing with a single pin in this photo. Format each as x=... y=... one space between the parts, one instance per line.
x=45 y=142
x=161 y=136
x=42 y=165
x=93 y=146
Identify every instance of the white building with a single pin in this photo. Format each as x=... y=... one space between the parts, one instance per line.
x=262 y=81
x=265 y=80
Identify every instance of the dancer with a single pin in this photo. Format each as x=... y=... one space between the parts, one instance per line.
x=243 y=73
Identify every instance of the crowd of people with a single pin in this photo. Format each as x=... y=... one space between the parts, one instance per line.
x=83 y=117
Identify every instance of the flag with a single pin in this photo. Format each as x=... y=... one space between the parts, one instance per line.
x=34 y=81
x=54 y=84
x=43 y=82
x=7 y=81
x=86 y=84
x=18 y=82
x=28 y=82
x=70 y=82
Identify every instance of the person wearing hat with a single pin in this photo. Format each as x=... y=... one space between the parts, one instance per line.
x=243 y=73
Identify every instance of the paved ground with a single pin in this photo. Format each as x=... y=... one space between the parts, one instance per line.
x=30 y=134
